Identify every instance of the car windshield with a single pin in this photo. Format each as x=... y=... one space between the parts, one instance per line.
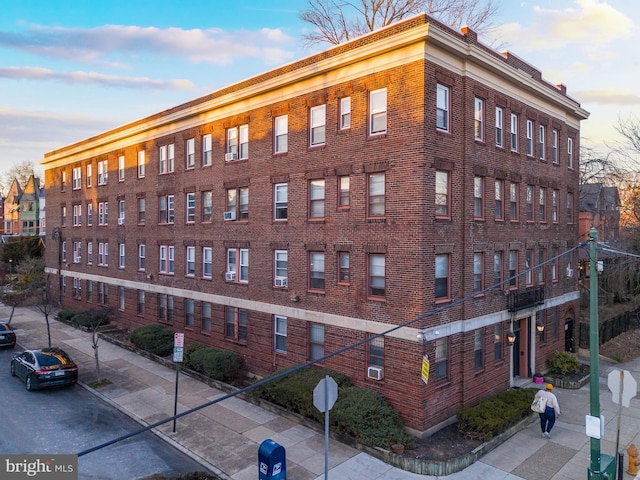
x=50 y=359
x=4 y=327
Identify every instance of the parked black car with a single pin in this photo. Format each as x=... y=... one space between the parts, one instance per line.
x=7 y=335
x=47 y=367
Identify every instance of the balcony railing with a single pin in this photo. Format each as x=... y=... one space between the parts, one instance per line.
x=522 y=299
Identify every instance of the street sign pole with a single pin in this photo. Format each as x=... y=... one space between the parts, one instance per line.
x=326 y=427
x=178 y=354
x=594 y=381
x=324 y=397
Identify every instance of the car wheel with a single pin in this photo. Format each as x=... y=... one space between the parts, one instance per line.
x=28 y=384
x=13 y=370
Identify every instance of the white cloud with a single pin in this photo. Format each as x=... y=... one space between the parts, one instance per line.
x=81 y=77
x=608 y=96
x=119 y=45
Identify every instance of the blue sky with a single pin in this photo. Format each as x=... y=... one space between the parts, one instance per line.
x=71 y=69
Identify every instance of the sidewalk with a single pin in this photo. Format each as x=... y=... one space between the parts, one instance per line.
x=225 y=437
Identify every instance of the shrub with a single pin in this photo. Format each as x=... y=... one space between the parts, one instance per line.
x=221 y=365
x=188 y=351
x=66 y=315
x=563 y=363
x=92 y=318
x=154 y=338
x=494 y=415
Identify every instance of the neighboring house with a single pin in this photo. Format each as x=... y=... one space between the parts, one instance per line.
x=29 y=207
x=12 y=209
x=600 y=208
x=411 y=182
x=41 y=213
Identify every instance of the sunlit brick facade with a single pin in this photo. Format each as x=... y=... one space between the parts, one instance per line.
x=303 y=210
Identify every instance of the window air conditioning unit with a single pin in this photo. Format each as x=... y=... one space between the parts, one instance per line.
x=281 y=281
x=230 y=215
x=230 y=276
x=230 y=156
x=120 y=220
x=375 y=373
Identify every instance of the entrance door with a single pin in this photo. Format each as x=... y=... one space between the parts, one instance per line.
x=568 y=335
x=516 y=353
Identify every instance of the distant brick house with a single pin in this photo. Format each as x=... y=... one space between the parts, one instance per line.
x=410 y=176
x=600 y=208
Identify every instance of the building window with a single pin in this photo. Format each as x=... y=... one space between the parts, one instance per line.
x=541 y=142
x=235 y=324
x=237 y=265
x=530 y=138
x=569 y=152
x=191 y=207
x=121 y=251
x=280 y=201
x=77 y=252
x=206 y=317
x=378 y=111
x=190 y=153
x=497 y=342
x=121 y=298
x=141 y=302
x=142 y=205
x=281 y=268
x=237 y=143
x=478 y=351
x=376 y=195
x=513 y=202
x=76 y=178
x=317 y=125
x=63 y=216
x=206 y=150
x=344 y=274
x=569 y=208
x=165 y=308
x=103 y=293
x=207 y=259
x=190 y=261
x=478 y=272
x=514 y=132
x=121 y=168
x=63 y=180
x=316 y=341
x=167 y=259
x=499 y=127
x=499 y=194
x=442 y=277
x=64 y=285
x=513 y=269
x=377 y=273
x=141 y=164
x=103 y=213
x=376 y=352
x=497 y=270
x=554 y=264
x=77 y=215
x=554 y=146
x=142 y=253
x=238 y=203
x=89 y=253
x=280 y=333
x=542 y=204
x=528 y=262
x=281 y=134
x=103 y=254
x=166 y=209
x=207 y=206
x=166 y=159
x=442 y=108
x=103 y=172
x=89 y=290
x=479 y=119
x=554 y=206
x=316 y=271
x=345 y=113
x=541 y=254
x=189 y=313
x=120 y=212
x=244 y=142
x=478 y=198
x=529 y=203
x=344 y=196
x=442 y=358
x=442 y=194
x=89 y=175
x=316 y=198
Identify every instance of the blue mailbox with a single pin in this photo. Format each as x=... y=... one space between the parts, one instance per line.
x=272 y=461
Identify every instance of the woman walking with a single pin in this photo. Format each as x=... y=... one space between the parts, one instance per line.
x=548 y=418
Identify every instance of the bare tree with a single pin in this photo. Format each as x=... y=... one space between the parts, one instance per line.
x=18 y=171
x=597 y=168
x=337 y=21
x=91 y=320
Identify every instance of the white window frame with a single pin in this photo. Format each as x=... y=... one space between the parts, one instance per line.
x=89 y=253
x=280 y=201
x=121 y=168
x=89 y=175
x=280 y=333
x=378 y=112
x=76 y=178
x=569 y=152
x=77 y=215
x=141 y=164
x=541 y=142
x=554 y=147
x=243 y=142
x=317 y=125
x=142 y=254
x=207 y=153
x=232 y=143
x=207 y=262
x=121 y=252
x=317 y=189
x=120 y=211
x=190 y=153
x=190 y=261
x=345 y=113
x=513 y=133
x=191 y=207
x=280 y=266
x=442 y=107
x=478 y=119
x=103 y=172
x=530 y=138
x=499 y=127
x=281 y=134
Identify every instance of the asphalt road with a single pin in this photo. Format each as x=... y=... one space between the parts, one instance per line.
x=69 y=420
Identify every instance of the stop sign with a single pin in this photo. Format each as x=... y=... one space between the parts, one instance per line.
x=620 y=382
x=325 y=394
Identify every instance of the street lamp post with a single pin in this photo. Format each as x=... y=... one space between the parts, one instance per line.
x=11 y=266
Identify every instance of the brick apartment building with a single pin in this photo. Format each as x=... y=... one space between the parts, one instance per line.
x=410 y=175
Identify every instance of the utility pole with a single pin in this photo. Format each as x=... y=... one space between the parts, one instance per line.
x=594 y=345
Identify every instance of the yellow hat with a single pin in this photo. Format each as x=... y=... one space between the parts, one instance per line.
x=549 y=386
